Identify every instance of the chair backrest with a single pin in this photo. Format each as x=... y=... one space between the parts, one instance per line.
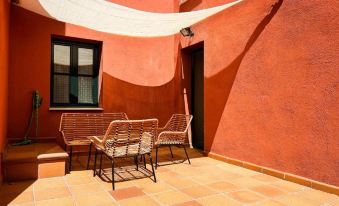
x=130 y=137
x=78 y=126
x=178 y=123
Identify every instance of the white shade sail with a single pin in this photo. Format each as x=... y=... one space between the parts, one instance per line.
x=112 y=18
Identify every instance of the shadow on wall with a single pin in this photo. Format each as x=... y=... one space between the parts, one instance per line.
x=226 y=78
x=141 y=102
x=30 y=47
x=189 y=5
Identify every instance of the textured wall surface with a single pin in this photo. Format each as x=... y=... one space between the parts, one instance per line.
x=137 y=72
x=271 y=79
x=4 y=32
x=271 y=84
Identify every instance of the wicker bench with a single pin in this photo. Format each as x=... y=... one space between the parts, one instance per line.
x=76 y=127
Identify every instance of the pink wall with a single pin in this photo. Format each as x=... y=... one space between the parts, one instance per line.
x=4 y=32
x=271 y=84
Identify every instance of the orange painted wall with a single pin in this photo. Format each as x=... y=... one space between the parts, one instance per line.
x=4 y=32
x=271 y=84
x=271 y=79
x=139 y=74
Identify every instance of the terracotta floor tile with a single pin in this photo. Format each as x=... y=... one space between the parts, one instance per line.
x=268 y=191
x=218 y=200
x=152 y=187
x=198 y=191
x=141 y=200
x=334 y=203
x=86 y=188
x=180 y=182
x=80 y=180
x=166 y=175
x=190 y=203
x=269 y=203
x=229 y=175
x=247 y=182
x=295 y=199
x=16 y=198
x=57 y=192
x=223 y=186
x=287 y=186
x=99 y=198
x=22 y=204
x=265 y=178
x=16 y=187
x=204 y=182
x=206 y=178
x=237 y=169
x=245 y=196
x=172 y=197
x=126 y=193
x=66 y=201
x=318 y=196
x=118 y=185
x=47 y=183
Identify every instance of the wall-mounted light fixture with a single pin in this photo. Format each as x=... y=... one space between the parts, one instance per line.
x=187 y=31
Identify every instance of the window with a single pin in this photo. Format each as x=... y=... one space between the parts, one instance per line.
x=74 y=74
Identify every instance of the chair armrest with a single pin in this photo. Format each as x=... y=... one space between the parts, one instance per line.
x=63 y=136
x=170 y=133
x=171 y=136
x=96 y=140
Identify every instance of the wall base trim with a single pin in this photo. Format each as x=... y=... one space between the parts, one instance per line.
x=276 y=173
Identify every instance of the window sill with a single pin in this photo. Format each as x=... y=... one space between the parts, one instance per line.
x=76 y=109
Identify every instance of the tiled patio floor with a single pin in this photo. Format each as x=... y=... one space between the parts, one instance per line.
x=205 y=182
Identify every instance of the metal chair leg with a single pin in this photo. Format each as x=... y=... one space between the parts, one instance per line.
x=187 y=155
x=113 y=183
x=136 y=162
x=100 y=165
x=156 y=157
x=171 y=151
x=151 y=161
x=70 y=159
x=95 y=162
x=143 y=156
x=89 y=155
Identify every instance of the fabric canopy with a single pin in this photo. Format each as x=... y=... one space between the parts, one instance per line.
x=112 y=18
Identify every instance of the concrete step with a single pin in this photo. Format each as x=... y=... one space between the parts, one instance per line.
x=37 y=160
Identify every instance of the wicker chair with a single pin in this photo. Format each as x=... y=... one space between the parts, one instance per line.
x=126 y=138
x=75 y=129
x=174 y=134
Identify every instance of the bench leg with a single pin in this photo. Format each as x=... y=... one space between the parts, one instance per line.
x=70 y=159
x=89 y=155
x=156 y=157
x=171 y=151
x=95 y=162
x=187 y=155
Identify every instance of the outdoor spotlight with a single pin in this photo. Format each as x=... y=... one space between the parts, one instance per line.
x=187 y=31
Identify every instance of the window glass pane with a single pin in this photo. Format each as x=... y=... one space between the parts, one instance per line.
x=85 y=92
x=85 y=61
x=62 y=59
x=61 y=88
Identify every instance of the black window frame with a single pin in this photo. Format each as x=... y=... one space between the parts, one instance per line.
x=74 y=45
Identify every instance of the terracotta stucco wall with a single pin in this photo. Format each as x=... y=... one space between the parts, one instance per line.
x=4 y=32
x=138 y=73
x=271 y=84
